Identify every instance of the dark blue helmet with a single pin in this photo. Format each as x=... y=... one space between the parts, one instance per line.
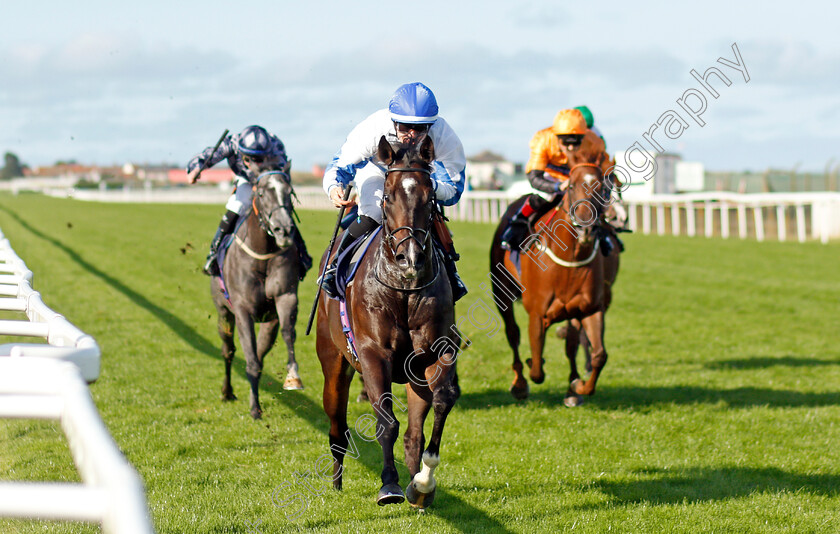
x=413 y=103
x=254 y=141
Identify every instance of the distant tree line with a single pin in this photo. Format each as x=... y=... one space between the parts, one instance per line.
x=12 y=167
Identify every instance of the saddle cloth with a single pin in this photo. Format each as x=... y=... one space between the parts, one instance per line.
x=348 y=261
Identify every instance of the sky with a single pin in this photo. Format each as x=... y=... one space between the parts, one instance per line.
x=156 y=82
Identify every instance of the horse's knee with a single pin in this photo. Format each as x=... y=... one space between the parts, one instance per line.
x=599 y=359
x=390 y=429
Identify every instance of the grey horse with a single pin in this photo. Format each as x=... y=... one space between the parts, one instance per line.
x=261 y=273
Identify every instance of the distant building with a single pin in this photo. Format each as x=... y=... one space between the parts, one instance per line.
x=488 y=170
x=208 y=176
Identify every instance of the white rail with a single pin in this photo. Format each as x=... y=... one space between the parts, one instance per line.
x=48 y=381
x=757 y=216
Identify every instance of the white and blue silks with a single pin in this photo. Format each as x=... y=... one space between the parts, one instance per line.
x=240 y=199
x=357 y=161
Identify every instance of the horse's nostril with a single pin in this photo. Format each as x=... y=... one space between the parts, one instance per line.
x=402 y=261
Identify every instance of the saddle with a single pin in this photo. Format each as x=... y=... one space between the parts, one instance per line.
x=349 y=259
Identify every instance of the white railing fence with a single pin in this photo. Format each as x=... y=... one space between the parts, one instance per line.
x=49 y=381
x=779 y=216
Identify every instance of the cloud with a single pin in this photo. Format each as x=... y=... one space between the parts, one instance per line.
x=794 y=64
x=90 y=59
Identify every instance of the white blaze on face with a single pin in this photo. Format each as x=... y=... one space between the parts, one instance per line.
x=409 y=184
x=589 y=178
x=278 y=188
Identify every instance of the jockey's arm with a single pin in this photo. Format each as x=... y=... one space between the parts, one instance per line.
x=353 y=155
x=542 y=182
x=448 y=169
x=208 y=158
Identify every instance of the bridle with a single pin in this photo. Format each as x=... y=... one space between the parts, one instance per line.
x=265 y=222
x=424 y=241
x=570 y=211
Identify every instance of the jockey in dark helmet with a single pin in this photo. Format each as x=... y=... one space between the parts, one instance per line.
x=245 y=152
x=411 y=115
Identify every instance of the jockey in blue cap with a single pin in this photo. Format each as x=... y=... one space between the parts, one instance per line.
x=245 y=153
x=411 y=115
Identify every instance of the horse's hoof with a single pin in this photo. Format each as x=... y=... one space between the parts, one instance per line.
x=573 y=401
x=417 y=499
x=256 y=414
x=390 y=494
x=538 y=377
x=575 y=386
x=293 y=384
x=519 y=392
x=227 y=397
x=561 y=331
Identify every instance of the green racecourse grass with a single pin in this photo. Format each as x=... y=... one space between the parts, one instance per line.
x=719 y=409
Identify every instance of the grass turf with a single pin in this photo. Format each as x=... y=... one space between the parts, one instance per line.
x=717 y=412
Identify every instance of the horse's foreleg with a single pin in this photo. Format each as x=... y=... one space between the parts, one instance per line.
x=594 y=329
x=253 y=363
x=378 y=385
x=419 y=404
x=287 y=307
x=337 y=376
x=225 y=326
x=536 y=334
x=572 y=344
x=573 y=334
x=421 y=491
x=504 y=295
x=519 y=387
x=265 y=340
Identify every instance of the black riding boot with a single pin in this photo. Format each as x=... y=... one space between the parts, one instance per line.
x=520 y=224
x=226 y=226
x=303 y=255
x=459 y=289
x=515 y=232
x=361 y=226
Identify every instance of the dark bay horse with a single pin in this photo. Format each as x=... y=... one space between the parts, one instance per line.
x=401 y=311
x=564 y=276
x=261 y=274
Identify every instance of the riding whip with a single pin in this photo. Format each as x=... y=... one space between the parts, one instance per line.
x=215 y=148
x=327 y=262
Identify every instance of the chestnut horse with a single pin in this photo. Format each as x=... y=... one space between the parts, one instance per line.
x=261 y=271
x=401 y=311
x=563 y=276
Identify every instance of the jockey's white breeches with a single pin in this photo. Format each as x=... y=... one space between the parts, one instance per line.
x=241 y=197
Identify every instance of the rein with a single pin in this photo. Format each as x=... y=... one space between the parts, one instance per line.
x=255 y=255
x=544 y=248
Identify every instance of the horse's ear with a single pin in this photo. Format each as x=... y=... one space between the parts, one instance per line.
x=287 y=167
x=427 y=150
x=385 y=152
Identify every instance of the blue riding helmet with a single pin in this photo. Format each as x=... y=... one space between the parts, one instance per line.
x=413 y=103
x=254 y=141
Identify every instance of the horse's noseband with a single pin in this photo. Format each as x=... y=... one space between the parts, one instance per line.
x=265 y=222
x=390 y=235
x=588 y=191
x=424 y=241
